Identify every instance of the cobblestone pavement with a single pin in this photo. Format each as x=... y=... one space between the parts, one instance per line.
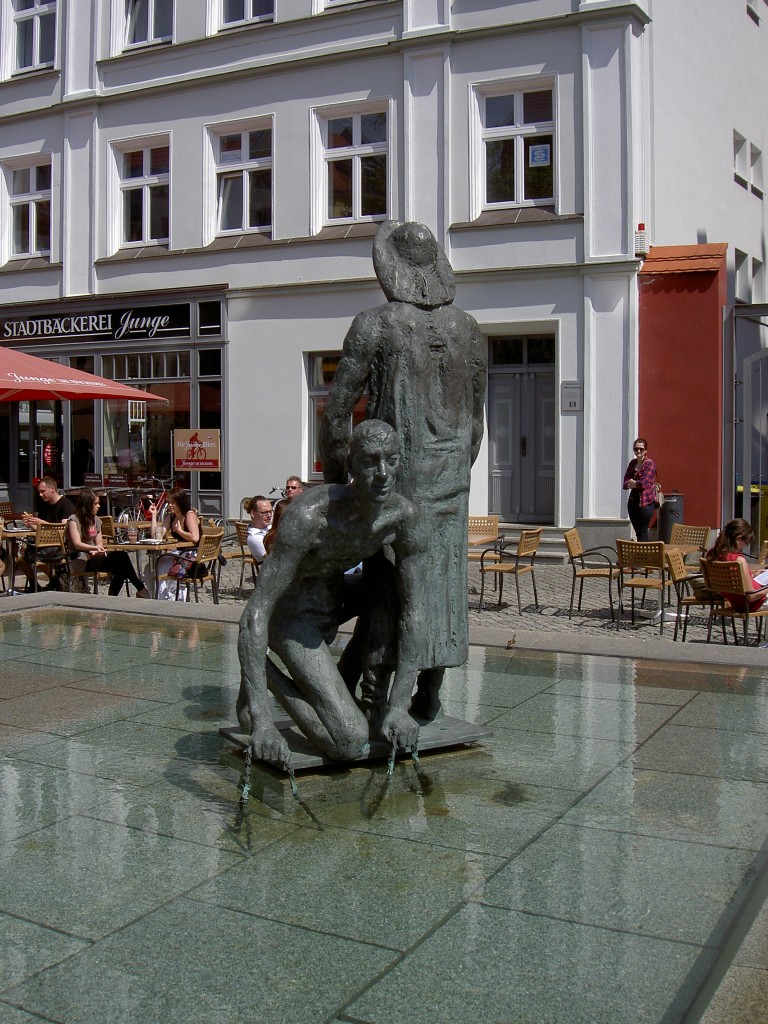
x=553 y=584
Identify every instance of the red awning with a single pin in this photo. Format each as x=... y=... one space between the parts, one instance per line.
x=684 y=259
x=28 y=378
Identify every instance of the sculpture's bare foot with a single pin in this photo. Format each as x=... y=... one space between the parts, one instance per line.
x=425 y=705
x=244 y=717
x=269 y=745
x=398 y=727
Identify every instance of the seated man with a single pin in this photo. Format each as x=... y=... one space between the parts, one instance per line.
x=260 y=511
x=297 y=607
x=52 y=508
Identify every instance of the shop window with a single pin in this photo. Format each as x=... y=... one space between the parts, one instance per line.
x=145 y=194
x=209 y=363
x=355 y=150
x=239 y=12
x=30 y=201
x=244 y=179
x=35 y=34
x=321 y=369
x=516 y=165
x=209 y=319
x=148 y=21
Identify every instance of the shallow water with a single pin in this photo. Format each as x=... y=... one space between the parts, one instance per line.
x=587 y=862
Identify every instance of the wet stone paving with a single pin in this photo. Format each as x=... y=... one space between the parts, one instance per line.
x=590 y=861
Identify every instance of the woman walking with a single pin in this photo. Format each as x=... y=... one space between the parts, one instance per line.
x=640 y=481
x=86 y=547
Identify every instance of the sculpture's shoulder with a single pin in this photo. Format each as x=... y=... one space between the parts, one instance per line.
x=367 y=330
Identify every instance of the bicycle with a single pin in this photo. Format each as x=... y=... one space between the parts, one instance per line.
x=146 y=498
x=280 y=491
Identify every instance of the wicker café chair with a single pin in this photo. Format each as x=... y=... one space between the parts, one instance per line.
x=50 y=551
x=517 y=564
x=204 y=568
x=649 y=556
x=689 y=539
x=725 y=578
x=241 y=554
x=686 y=598
x=580 y=559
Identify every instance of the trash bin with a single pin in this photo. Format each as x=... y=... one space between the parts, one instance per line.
x=670 y=512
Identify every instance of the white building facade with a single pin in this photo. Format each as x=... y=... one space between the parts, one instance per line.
x=207 y=176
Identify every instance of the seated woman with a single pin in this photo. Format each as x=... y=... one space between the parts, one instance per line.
x=86 y=547
x=728 y=547
x=181 y=522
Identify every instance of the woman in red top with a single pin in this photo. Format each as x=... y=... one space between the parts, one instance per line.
x=736 y=536
x=640 y=481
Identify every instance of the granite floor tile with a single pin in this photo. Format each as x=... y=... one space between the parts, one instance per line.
x=127 y=752
x=9 y=1015
x=13 y=740
x=585 y=686
x=87 y=877
x=444 y=804
x=33 y=796
x=753 y=952
x=360 y=885
x=27 y=948
x=742 y=998
x=731 y=712
x=488 y=965
x=103 y=658
x=66 y=711
x=198 y=808
x=548 y=759
x=586 y=716
x=696 y=751
x=495 y=688
x=198 y=964
x=642 y=884
x=205 y=710
x=20 y=677
x=726 y=812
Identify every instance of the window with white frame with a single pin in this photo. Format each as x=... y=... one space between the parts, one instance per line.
x=518 y=146
x=740 y=156
x=356 y=159
x=145 y=194
x=244 y=179
x=321 y=369
x=148 y=21
x=35 y=34
x=30 y=201
x=238 y=12
x=756 y=171
x=742 y=276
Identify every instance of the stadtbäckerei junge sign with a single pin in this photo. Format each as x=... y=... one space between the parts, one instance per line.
x=134 y=324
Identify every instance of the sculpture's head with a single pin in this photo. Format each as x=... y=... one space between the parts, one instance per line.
x=374 y=457
x=411 y=266
x=415 y=242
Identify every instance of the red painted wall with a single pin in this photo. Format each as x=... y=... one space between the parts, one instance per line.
x=681 y=383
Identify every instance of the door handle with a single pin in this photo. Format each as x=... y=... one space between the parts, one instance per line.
x=523 y=446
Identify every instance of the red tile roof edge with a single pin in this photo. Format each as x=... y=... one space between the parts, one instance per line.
x=684 y=259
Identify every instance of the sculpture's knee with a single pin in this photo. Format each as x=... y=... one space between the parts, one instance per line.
x=351 y=746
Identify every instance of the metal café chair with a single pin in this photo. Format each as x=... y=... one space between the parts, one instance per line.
x=649 y=556
x=689 y=539
x=518 y=563
x=580 y=559
x=204 y=568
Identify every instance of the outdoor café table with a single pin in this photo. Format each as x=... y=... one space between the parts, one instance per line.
x=153 y=550
x=13 y=534
x=685 y=549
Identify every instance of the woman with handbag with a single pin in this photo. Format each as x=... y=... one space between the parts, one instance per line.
x=182 y=522
x=640 y=481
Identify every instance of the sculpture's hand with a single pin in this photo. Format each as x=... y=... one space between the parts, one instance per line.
x=268 y=744
x=398 y=727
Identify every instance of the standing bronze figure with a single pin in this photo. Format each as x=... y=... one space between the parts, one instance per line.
x=424 y=363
